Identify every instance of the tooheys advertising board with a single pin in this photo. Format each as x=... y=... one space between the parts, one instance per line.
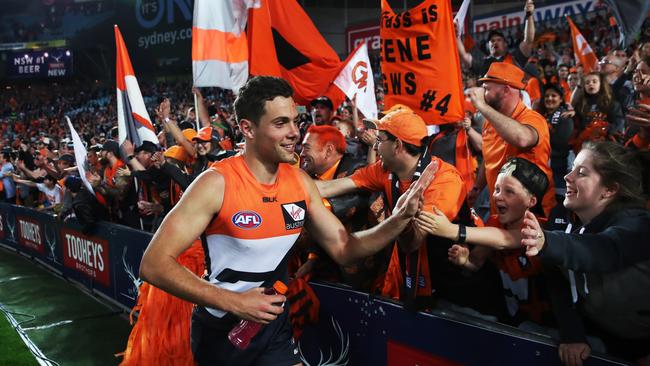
x=419 y=61
x=157 y=33
x=30 y=234
x=87 y=255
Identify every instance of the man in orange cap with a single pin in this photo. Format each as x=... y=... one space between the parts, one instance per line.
x=418 y=265
x=511 y=129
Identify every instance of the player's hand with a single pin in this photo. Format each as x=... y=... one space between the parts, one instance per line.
x=256 y=306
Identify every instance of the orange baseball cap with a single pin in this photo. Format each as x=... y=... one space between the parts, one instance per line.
x=205 y=134
x=402 y=123
x=189 y=133
x=176 y=152
x=505 y=73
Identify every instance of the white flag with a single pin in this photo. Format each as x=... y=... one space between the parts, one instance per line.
x=355 y=79
x=219 y=44
x=459 y=19
x=80 y=155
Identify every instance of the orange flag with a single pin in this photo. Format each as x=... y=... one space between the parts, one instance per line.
x=284 y=42
x=582 y=51
x=420 y=65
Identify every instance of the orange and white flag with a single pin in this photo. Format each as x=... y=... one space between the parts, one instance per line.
x=355 y=80
x=583 y=53
x=133 y=120
x=219 y=44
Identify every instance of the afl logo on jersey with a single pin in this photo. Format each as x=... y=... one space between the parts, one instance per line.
x=247 y=219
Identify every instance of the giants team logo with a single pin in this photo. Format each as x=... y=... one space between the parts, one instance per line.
x=294 y=214
x=247 y=219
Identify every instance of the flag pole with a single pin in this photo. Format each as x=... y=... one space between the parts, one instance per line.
x=137 y=194
x=196 y=111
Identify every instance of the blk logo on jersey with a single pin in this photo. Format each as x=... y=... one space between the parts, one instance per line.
x=247 y=219
x=294 y=214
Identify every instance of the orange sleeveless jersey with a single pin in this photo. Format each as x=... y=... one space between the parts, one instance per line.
x=256 y=227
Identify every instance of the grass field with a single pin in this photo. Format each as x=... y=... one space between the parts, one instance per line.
x=12 y=349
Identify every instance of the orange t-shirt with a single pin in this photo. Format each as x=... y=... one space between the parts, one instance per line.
x=446 y=191
x=110 y=172
x=496 y=151
x=534 y=90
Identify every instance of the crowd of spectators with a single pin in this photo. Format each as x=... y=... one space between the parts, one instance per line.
x=46 y=19
x=137 y=185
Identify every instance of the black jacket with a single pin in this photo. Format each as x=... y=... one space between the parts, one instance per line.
x=610 y=261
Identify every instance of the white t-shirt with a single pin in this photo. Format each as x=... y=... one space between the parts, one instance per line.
x=53 y=196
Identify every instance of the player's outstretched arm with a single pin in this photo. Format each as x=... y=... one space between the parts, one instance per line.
x=346 y=247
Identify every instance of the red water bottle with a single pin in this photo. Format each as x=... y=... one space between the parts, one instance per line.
x=242 y=334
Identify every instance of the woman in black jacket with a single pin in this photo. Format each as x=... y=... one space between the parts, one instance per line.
x=560 y=127
x=601 y=282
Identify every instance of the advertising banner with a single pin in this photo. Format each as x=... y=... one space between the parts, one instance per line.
x=30 y=234
x=51 y=63
x=86 y=254
x=358 y=34
x=127 y=248
x=515 y=17
x=356 y=328
x=157 y=33
x=8 y=232
x=36 y=233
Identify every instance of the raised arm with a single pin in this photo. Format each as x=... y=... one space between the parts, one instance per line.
x=164 y=114
x=465 y=57
x=517 y=134
x=526 y=46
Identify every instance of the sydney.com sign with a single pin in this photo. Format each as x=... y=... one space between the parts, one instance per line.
x=158 y=33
